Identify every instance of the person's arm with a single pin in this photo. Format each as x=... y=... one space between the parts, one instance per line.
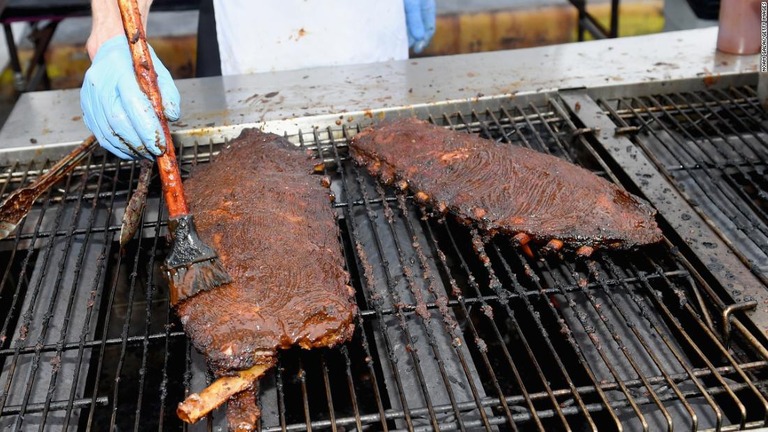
x=114 y=108
x=106 y=22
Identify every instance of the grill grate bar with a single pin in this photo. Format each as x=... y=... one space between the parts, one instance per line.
x=647 y=349
x=17 y=296
x=30 y=323
x=543 y=378
x=753 y=223
x=528 y=293
x=450 y=323
x=518 y=417
x=750 y=99
x=656 y=327
x=713 y=130
x=351 y=388
x=396 y=301
x=739 y=102
x=151 y=291
x=304 y=397
x=496 y=285
x=280 y=392
x=572 y=342
x=478 y=339
x=741 y=374
x=395 y=298
x=47 y=406
x=704 y=165
x=328 y=395
x=133 y=278
x=678 y=378
x=702 y=358
x=683 y=218
x=665 y=108
x=86 y=325
x=6 y=187
x=165 y=379
x=648 y=316
x=69 y=346
x=347 y=361
x=100 y=357
x=719 y=96
x=333 y=147
x=100 y=363
x=556 y=138
x=762 y=158
x=64 y=233
x=603 y=352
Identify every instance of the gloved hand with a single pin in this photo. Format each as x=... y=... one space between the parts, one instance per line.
x=420 y=21
x=117 y=111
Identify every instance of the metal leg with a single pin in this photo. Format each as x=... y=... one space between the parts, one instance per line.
x=18 y=77
x=588 y=24
x=580 y=18
x=614 y=30
x=37 y=72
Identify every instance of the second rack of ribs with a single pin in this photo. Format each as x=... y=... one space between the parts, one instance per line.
x=505 y=188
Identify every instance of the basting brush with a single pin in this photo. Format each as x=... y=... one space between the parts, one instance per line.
x=192 y=266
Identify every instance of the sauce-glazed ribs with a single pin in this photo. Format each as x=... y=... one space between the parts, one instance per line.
x=275 y=232
x=505 y=188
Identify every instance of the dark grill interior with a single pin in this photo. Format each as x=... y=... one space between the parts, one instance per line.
x=713 y=145
x=456 y=331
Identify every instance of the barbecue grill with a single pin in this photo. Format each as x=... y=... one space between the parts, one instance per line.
x=456 y=331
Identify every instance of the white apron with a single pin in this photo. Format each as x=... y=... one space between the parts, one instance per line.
x=260 y=36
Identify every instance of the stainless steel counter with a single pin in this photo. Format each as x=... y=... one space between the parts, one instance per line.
x=213 y=108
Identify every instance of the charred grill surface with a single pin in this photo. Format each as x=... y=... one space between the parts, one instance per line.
x=505 y=188
x=276 y=235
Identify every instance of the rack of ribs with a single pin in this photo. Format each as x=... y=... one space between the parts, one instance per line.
x=504 y=188
x=270 y=221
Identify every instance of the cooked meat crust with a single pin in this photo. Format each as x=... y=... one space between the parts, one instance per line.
x=243 y=411
x=503 y=187
x=271 y=223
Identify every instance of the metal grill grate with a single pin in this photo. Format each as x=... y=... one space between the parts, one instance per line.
x=456 y=331
x=713 y=145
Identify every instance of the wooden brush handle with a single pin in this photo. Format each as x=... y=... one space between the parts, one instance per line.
x=147 y=79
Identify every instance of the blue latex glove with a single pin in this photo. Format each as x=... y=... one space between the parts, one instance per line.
x=117 y=111
x=420 y=21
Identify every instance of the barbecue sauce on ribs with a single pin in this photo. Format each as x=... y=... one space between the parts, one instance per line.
x=503 y=187
x=271 y=223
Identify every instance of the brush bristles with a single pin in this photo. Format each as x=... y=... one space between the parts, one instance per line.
x=186 y=281
x=192 y=266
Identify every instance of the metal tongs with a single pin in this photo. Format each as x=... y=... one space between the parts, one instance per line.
x=20 y=201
